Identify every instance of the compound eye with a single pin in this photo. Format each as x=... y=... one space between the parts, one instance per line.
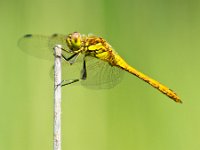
x=76 y=40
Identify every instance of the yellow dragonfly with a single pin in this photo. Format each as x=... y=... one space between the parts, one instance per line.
x=101 y=66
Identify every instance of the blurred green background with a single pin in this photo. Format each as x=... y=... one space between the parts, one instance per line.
x=159 y=37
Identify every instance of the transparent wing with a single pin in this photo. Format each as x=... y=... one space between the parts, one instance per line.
x=100 y=74
x=41 y=46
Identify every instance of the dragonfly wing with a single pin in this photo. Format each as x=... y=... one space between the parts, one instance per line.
x=41 y=46
x=59 y=39
x=100 y=74
x=36 y=45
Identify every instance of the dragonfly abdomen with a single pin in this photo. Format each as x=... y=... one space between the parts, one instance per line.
x=165 y=90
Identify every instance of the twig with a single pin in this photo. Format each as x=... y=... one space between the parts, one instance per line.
x=57 y=98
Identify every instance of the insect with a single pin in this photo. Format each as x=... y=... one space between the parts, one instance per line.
x=100 y=65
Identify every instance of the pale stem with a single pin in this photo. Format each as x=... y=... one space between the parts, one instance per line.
x=57 y=98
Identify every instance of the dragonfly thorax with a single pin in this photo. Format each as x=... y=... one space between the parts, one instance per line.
x=74 y=41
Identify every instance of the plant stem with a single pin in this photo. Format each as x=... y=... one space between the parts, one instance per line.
x=57 y=98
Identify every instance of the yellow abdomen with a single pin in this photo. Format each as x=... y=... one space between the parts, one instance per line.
x=162 y=88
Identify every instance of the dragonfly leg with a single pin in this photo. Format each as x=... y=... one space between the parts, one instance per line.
x=83 y=71
x=71 y=59
x=67 y=82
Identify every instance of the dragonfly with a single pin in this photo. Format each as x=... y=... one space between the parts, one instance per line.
x=98 y=64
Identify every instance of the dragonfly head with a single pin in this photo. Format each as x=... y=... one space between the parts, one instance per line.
x=74 y=41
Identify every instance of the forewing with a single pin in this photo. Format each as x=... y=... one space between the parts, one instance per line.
x=59 y=39
x=41 y=46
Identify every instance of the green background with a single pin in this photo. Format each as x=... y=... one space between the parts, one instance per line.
x=159 y=37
